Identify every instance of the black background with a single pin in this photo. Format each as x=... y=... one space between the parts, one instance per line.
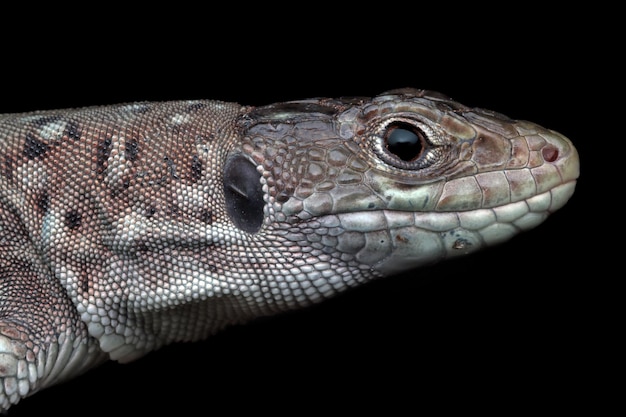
x=506 y=329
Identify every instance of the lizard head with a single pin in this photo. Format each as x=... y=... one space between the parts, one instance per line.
x=381 y=186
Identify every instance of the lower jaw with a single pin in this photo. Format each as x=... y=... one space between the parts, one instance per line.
x=435 y=236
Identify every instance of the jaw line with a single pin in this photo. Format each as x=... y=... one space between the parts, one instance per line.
x=397 y=241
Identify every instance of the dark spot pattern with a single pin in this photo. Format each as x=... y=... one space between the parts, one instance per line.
x=73 y=219
x=206 y=216
x=7 y=169
x=103 y=153
x=132 y=150
x=84 y=281
x=172 y=167
x=72 y=130
x=43 y=203
x=174 y=210
x=141 y=109
x=44 y=120
x=150 y=211
x=195 y=107
x=196 y=168
x=34 y=148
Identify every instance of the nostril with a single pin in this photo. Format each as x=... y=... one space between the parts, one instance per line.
x=550 y=153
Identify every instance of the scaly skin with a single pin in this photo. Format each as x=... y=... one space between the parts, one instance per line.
x=128 y=227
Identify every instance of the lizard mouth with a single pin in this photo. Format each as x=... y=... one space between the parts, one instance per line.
x=407 y=240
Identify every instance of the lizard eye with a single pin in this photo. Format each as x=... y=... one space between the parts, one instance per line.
x=405 y=143
x=244 y=194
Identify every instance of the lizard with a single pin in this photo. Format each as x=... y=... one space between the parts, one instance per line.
x=127 y=227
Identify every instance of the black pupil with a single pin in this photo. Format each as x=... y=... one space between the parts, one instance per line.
x=404 y=141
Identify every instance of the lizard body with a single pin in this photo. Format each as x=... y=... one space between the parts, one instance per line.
x=128 y=227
